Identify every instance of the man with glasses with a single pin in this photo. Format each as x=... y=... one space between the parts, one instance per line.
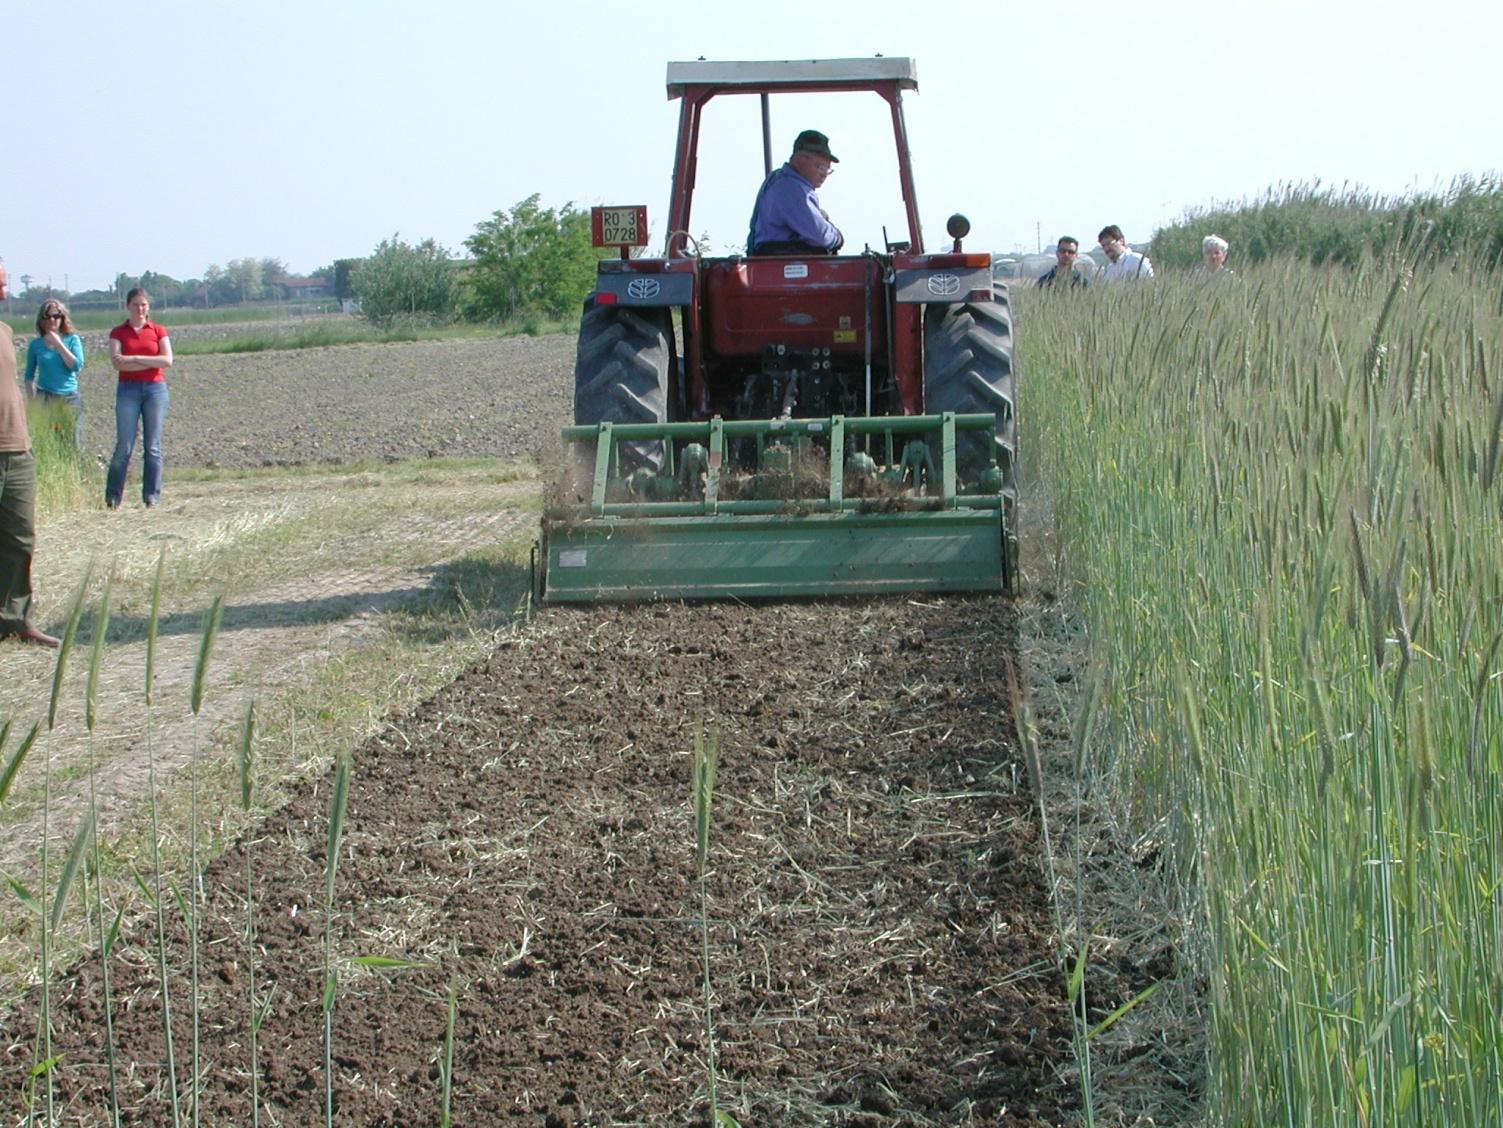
x=18 y=494
x=1123 y=263
x=1066 y=258
x=787 y=218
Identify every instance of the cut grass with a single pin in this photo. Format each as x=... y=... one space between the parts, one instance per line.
x=257 y=529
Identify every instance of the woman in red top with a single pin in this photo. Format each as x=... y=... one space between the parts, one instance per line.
x=139 y=350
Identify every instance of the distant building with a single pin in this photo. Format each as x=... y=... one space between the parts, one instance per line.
x=1005 y=266
x=302 y=289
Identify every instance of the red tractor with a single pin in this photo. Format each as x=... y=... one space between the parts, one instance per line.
x=904 y=350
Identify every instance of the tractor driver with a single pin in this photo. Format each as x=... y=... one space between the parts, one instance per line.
x=787 y=218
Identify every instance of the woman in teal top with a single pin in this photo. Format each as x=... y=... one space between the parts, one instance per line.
x=54 y=359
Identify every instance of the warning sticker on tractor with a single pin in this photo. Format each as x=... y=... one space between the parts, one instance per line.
x=573 y=557
x=796 y=270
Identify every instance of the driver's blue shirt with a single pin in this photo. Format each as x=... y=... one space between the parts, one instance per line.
x=787 y=211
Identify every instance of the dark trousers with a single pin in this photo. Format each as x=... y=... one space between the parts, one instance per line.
x=18 y=535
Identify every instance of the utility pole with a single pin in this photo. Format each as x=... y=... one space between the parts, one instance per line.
x=1038 y=237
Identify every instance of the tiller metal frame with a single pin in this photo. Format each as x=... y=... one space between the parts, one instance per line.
x=836 y=506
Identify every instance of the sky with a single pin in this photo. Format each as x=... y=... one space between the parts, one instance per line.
x=172 y=136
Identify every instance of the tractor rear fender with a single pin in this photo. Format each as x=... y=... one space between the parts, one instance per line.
x=645 y=282
x=920 y=279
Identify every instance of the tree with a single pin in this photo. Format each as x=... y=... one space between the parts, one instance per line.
x=216 y=289
x=531 y=258
x=239 y=280
x=402 y=281
x=344 y=274
x=337 y=274
x=244 y=275
x=273 y=275
x=163 y=288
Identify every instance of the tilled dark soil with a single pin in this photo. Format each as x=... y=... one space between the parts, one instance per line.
x=489 y=396
x=878 y=935
x=880 y=946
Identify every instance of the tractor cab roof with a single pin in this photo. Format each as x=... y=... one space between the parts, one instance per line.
x=794 y=74
x=697 y=83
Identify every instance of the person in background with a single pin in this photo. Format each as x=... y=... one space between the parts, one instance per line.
x=18 y=497
x=1213 y=250
x=54 y=358
x=1066 y=257
x=787 y=218
x=1123 y=263
x=140 y=351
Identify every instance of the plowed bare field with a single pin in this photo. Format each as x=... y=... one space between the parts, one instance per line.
x=877 y=936
x=880 y=950
x=354 y=402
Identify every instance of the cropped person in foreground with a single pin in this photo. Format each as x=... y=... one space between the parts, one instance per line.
x=54 y=358
x=18 y=496
x=140 y=351
x=787 y=218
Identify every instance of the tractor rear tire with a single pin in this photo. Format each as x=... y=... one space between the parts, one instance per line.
x=968 y=367
x=621 y=374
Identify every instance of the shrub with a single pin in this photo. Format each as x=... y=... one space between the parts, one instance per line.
x=1322 y=225
x=530 y=259
x=402 y=281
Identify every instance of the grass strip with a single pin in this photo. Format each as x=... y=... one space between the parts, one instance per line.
x=328 y=334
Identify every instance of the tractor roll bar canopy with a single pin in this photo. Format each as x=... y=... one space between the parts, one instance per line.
x=818 y=74
x=699 y=81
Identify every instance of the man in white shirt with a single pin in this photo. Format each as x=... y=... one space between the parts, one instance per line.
x=1122 y=263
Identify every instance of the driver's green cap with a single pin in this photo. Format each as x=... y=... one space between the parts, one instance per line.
x=813 y=141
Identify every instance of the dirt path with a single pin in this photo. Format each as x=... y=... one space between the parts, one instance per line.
x=311 y=565
x=316 y=591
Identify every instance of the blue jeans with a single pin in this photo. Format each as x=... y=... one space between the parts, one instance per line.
x=137 y=401
x=75 y=401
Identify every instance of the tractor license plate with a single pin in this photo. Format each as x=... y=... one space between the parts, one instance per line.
x=618 y=226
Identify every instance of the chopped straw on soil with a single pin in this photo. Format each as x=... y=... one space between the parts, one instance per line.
x=880 y=936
